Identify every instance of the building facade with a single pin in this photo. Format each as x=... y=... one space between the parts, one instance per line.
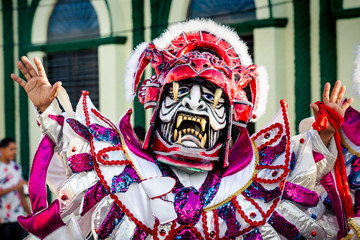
x=86 y=43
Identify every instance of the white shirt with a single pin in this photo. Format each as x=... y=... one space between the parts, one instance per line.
x=10 y=204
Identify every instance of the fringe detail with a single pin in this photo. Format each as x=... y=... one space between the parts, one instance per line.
x=262 y=92
x=356 y=73
x=131 y=69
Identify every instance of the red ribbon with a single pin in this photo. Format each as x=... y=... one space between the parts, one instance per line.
x=327 y=114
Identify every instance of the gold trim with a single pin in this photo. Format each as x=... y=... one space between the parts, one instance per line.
x=128 y=157
x=244 y=187
x=352 y=151
x=354 y=226
x=348 y=237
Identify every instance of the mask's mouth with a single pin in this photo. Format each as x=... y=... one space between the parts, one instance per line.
x=191 y=130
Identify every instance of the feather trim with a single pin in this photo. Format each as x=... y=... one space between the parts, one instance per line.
x=131 y=69
x=262 y=92
x=207 y=25
x=356 y=73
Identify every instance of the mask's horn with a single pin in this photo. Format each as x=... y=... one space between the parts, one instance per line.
x=143 y=62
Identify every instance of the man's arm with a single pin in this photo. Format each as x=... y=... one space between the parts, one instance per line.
x=24 y=203
x=13 y=188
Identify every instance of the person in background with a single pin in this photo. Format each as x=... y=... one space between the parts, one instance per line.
x=12 y=198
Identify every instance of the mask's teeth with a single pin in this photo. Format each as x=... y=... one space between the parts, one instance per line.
x=175 y=90
x=217 y=96
x=203 y=141
x=175 y=134
x=179 y=120
x=188 y=130
x=179 y=138
x=192 y=130
x=203 y=124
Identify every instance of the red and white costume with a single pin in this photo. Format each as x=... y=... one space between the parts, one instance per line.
x=186 y=182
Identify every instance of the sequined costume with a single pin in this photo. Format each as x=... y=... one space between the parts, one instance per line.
x=267 y=186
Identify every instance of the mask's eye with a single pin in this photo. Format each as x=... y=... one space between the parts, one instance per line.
x=183 y=91
x=208 y=97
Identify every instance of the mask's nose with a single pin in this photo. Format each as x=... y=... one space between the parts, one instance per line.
x=194 y=102
x=199 y=64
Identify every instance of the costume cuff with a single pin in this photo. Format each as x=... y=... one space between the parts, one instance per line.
x=51 y=121
x=325 y=165
x=69 y=231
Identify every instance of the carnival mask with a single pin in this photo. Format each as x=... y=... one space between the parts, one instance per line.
x=197 y=91
x=193 y=114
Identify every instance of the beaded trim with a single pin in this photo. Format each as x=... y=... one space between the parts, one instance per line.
x=98 y=171
x=265 y=130
x=123 y=147
x=284 y=167
x=174 y=231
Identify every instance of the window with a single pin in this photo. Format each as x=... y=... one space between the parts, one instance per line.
x=74 y=20
x=223 y=11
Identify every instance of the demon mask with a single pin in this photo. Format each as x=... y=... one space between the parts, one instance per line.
x=201 y=70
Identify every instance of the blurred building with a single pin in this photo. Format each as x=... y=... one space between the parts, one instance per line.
x=85 y=44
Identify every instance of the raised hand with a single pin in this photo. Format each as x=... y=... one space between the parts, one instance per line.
x=335 y=102
x=37 y=86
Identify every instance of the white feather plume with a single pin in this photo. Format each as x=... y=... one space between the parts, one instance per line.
x=356 y=73
x=206 y=25
x=262 y=91
x=131 y=69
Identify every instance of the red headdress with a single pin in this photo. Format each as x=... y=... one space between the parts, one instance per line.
x=205 y=49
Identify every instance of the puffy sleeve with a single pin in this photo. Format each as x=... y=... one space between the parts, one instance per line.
x=312 y=159
x=105 y=185
x=65 y=162
x=315 y=170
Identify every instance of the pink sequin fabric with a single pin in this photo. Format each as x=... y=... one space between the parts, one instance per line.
x=300 y=195
x=92 y=197
x=79 y=129
x=282 y=226
x=81 y=162
x=256 y=190
x=113 y=218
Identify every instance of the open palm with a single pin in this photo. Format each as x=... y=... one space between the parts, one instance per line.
x=37 y=86
x=336 y=102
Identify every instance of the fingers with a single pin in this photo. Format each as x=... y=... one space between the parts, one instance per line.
x=326 y=92
x=340 y=95
x=55 y=89
x=315 y=109
x=29 y=66
x=347 y=104
x=39 y=67
x=335 y=91
x=20 y=81
x=23 y=70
